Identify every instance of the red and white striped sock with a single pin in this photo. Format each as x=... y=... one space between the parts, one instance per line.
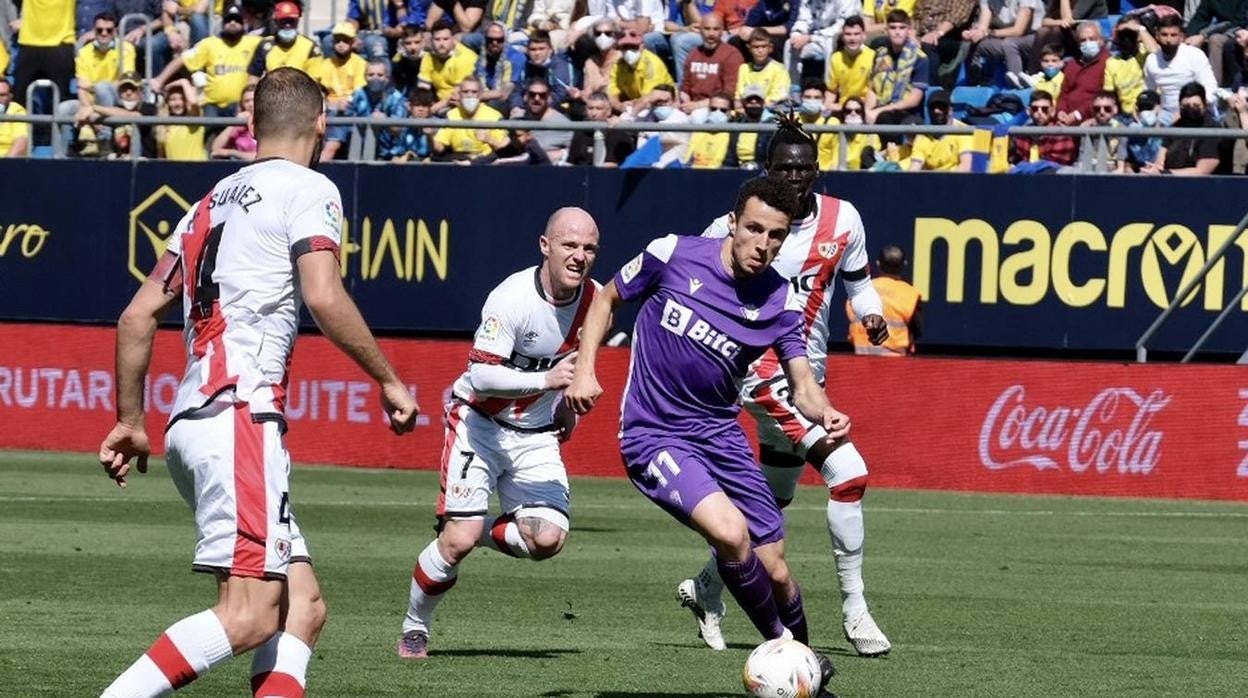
x=431 y=579
x=279 y=667
x=185 y=651
x=503 y=535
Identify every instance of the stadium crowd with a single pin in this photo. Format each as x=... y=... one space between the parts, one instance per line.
x=986 y=63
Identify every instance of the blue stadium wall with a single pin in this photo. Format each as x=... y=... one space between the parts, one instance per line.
x=1042 y=263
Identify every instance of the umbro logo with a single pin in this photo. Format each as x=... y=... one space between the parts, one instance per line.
x=530 y=337
x=694 y=285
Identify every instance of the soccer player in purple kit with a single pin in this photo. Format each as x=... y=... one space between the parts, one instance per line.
x=710 y=307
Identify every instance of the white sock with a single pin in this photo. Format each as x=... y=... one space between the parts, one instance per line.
x=502 y=534
x=844 y=471
x=432 y=577
x=279 y=667
x=185 y=651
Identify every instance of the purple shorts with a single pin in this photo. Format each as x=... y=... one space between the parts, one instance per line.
x=676 y=472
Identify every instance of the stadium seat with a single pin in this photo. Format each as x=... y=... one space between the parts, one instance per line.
x=41 y=152
x=1107 y=26
x=1024 y=95
x=965 y=98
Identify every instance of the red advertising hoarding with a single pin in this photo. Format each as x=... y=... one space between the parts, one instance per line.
x=974 y=425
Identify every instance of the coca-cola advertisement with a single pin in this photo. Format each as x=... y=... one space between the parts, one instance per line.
x=1083 y=428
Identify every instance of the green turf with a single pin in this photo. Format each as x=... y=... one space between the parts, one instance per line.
x=981 y=595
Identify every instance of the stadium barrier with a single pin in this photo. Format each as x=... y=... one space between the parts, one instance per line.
x=1052 y=264
x=945 y=424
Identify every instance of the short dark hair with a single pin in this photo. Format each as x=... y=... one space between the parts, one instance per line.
x=421 y=98
x=1107 y=94
x=1052 y=50
x=668 y=88
x=413 y=30
x=441 y=25
x=598 y=96
x=1042 y=96
x=897 y=16
x=892 y=260
x=1193 y=89
x=536 y=80
x=1175 y=20
x=759 y=34
x=540 y=36
x=814 y=84
x=288 y=103
x=106 y=16
x=855 y=21
x=723 y=96
x=773 y=190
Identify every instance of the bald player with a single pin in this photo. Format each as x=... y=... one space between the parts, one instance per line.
x=506 y=420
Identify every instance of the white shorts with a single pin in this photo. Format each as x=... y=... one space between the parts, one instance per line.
x=480 y=457
x=780 y=426
x=234 y=474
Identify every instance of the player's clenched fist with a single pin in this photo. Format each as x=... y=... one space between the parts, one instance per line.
x=835 y=423
x=561 y=374
x=400 y=407
x=123 y=443
x=877 y=329
x=582 y=393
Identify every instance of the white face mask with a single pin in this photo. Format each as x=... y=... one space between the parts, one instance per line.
x=102 y=45
x=129 y=103
x=1148 y=118
x=4 y=107
x=717 y=117
x=604 y=42
x=1090 y=48
x=631 y=56
x=853 y=118
x=470 y=104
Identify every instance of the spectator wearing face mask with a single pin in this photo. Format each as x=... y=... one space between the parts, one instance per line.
x=1175 y=64
x=599 y=63
x=864 y=149
x=708 y=149
x=636 y=76
x=1188 y=156
x=662 y=109
x=95 y=68
x=1083 y=77
x=224 y=59
x=813 y=111
x=748 y=150
x=464 y=144
x=944 y=153
x=379 y=99
x=1049 y=77
x=446 y=66
x=129 y=102
x=286 y=47
x=1143 y=150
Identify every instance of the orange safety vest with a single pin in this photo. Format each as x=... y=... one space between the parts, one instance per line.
x=900 y=300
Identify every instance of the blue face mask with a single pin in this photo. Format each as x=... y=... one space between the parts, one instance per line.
x=1051 y=72
x=287 y=36
x=662 y=111
x=1090 y=49
x=717 y=117
x=812 y=107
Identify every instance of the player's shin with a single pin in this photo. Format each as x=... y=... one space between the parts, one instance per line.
x=793 y=614
x=749 y=584
x=279 y=667
x=845 y=474
x=502 y=534
x=183 y=653
x=432 y=577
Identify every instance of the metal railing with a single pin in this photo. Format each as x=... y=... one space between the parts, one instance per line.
x=843 y=131
x=45 y=84
x=1189 y=288
x=122 y=30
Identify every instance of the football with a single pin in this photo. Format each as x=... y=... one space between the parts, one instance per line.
x=782 y=668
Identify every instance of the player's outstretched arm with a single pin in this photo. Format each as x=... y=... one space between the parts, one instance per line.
x=335 y=313
x=866 y=303
x=585 y=390
x=812 y=401
x=136 y=329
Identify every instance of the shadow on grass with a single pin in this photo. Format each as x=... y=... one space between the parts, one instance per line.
x=648 y=694
x=515 y=654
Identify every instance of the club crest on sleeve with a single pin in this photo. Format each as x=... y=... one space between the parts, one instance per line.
x=490 y=328
x=333 y=216
x=630 y=270
x=827 y=250
x=282 y=547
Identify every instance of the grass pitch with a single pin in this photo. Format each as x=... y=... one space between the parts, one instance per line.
x=981 y=595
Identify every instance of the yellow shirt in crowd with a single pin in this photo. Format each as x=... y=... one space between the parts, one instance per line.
x=828 y=143
x=707 y=151
x=225 y=65
x=773 y=78
x=850 y=77
x=883 y=7
x=1125 y=77
x=301 y=54
x=93 y=65
x=1053 y=87
x=46 y=23
x=341 y=80
x=444 y=75
x=184 y=143
x=628 y=83
x=11 y=130
x=940 y=154
x=464 y=140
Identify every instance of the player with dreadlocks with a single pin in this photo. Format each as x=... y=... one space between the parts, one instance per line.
x=826 y=237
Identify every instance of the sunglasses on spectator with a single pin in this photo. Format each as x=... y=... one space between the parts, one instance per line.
x=853 y=111
x=542 y=95
x=496 y=39
x=723 y=110
x=105 y=30
x=288 y=23
x=1041 y=108
x=607 y=32
x=1103 y=108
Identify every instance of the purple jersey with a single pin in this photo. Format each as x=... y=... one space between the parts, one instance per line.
x=697 y=333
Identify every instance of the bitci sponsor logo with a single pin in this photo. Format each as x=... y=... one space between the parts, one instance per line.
x=1113 y=432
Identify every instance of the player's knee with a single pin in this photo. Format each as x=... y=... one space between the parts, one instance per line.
x=778 y=573
x=732 y=540
x=248 y=626
x=312 y=611
x=457 y=539
x=547 y=544
x=850 y=490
